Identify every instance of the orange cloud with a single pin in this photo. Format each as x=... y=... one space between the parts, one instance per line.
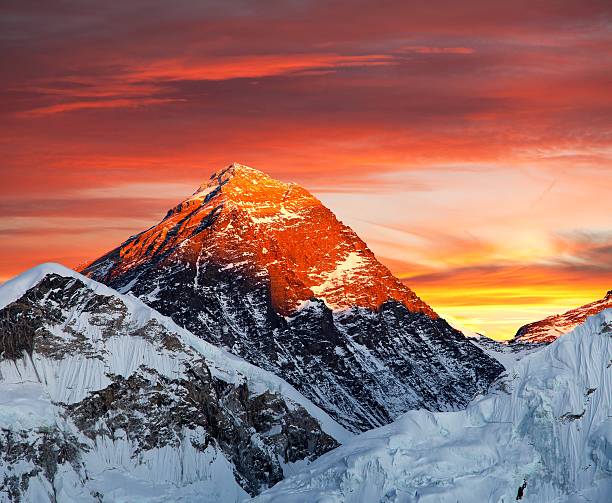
x=138 y=85
x=437 y=50
x=235 y=67
x=94 y=104
x=497 y=300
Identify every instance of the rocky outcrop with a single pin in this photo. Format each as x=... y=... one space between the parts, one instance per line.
x=43 y=451
x=257 y=434
x=262 y=268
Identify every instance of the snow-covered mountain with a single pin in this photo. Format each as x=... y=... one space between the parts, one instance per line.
x=548 y=329
x=542 y=433
x=263 y=269
x=103 y=399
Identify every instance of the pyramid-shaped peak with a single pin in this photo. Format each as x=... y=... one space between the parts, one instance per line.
x=237 y=169
x=239 y=174
x=288 y=235
x=242 y=172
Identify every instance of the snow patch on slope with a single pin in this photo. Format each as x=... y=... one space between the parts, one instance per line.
x=343 y=274
x=24 y=406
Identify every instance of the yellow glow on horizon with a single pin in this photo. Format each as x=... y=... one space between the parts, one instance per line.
x=499 y=312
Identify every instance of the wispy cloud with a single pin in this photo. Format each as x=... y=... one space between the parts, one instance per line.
x=95 y=104
x=437 y=50
x=235 y=67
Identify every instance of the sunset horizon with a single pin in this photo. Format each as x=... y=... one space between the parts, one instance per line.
x=470 y=297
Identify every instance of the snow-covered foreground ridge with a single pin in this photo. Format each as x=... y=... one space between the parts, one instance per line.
x=542 y=434
x=223 y=360
x=104 y=399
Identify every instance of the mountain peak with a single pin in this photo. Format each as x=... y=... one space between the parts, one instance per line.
x=280 y=234
x=235 y=173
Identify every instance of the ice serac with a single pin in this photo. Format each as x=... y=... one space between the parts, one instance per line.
x=543 y=433
x=262 y=268
x=104 y=399
x=548 y=329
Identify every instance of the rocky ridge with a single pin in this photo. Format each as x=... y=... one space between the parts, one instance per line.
x=103 y=397
x=552 y=327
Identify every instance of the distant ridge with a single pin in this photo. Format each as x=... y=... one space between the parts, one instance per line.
x=548 y=329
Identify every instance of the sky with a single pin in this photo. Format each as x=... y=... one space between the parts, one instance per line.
x=468 y=143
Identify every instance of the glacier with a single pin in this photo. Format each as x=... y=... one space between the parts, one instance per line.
x=543 y=432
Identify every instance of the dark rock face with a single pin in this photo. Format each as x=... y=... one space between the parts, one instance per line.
x=61 y=317
x=254 y=432
x=24 y=324
x=363 y=367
